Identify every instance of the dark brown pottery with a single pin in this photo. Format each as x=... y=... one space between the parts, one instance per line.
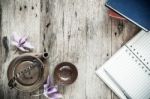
x=65 y=73
x=27 y=72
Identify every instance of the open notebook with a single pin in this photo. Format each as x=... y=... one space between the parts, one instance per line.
x=127 y=72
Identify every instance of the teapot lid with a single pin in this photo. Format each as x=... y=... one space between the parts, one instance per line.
x=28 y=73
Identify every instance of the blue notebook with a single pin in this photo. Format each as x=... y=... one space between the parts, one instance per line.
x=136 y=11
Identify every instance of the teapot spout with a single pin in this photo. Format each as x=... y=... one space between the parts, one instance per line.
x=44 y=56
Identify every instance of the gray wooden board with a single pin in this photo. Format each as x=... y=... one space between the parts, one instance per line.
x=77 y=31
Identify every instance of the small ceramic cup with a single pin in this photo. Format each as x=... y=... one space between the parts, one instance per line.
x=65 y=73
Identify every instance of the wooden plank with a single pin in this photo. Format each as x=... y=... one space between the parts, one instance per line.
x=1 y=59
x=22 y=17
x=78 y=32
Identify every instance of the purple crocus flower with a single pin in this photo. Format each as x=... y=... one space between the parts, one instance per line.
x=21 y=42
x=50 y=91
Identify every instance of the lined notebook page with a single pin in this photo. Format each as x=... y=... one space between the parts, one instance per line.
x=140 y=46
x=127 y=70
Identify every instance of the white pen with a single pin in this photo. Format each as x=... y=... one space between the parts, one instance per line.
x=124 y=92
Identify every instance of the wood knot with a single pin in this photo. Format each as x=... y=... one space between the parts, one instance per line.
x=25 y=6
x=5 y=44
x=20 y=8
x=120 y=27
x=32 y=7
x=48 y=24
x=107 y=54
x=75 y=14
x=115 y=33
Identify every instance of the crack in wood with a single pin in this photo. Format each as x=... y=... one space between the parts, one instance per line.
x=115 y=33
x=5 y=44
x=48 y=24
x=75 y=14
x=41 y=6
x=120 y=27
x=25 y=6
x=43 y=43
x=20 y=8
x=51 y=41
x=47 y=7
x=69 y=37
x=107 y=54
x=1 y=92
x=32 y=7
x=86 y=30
x=63 y=22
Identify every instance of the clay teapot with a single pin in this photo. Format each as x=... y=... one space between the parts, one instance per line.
x=28 y=72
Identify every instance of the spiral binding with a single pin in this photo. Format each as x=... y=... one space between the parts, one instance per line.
x=143 y=59
x=131 y=52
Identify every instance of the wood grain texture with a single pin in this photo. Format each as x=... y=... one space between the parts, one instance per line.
x=77 y=31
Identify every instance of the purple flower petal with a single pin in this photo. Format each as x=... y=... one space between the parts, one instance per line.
x=22 y=40
x=45 y=94
x=51 y=90
x=45 y=86
x=16 y=37
x=28 y=45
x=22 y=49
x=48 y=83
x=21 y=43
x=15 y=43
x=56 y=96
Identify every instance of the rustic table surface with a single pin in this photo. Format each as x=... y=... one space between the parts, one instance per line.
x=77 y=31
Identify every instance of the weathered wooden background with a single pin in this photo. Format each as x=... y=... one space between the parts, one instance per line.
x=78 y=31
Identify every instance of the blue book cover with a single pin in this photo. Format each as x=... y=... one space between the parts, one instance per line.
x=136 y=11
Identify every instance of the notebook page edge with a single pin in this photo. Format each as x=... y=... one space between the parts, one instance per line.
x=105 y=78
